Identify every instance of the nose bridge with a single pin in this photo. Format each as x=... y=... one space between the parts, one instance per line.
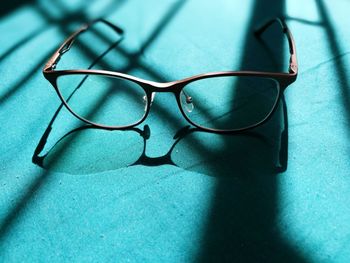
x=154 y=87
x=169 y=87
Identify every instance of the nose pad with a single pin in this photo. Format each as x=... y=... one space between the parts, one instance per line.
x=152 y=97
x=186 y=101
x=145 y=100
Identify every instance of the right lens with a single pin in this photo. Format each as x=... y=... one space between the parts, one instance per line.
x=230 y=102
x=103 y=100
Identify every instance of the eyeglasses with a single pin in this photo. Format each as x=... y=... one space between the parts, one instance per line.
x=220 y=102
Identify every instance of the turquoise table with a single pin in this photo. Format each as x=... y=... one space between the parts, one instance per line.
x=165 y=192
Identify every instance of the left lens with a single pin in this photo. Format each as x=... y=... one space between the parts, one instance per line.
x=229 y=103
x=104 y=100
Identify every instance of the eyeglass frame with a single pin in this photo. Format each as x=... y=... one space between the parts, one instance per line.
x=284 y=79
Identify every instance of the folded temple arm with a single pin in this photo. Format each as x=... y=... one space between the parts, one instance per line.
x=293 y=63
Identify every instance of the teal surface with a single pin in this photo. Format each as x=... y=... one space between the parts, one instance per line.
x=163 y=192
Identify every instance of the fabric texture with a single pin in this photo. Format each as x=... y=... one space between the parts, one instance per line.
x=165 y=192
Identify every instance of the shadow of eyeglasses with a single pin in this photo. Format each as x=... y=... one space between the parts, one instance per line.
x=86 y=151
x=51 y=160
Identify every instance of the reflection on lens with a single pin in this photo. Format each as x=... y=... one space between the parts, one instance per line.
x=103 y=100
x=229 y=103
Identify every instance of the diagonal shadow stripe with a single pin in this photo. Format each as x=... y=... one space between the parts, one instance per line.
x=340 y=67
x=24 y=79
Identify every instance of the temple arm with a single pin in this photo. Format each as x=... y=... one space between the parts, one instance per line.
x=55 y=58
x=293 y=63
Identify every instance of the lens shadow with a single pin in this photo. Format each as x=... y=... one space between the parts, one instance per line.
x=87 y=150
x=264 y=148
